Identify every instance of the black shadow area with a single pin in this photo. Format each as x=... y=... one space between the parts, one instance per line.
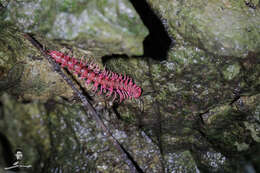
x=6 y=149
x=158 y=42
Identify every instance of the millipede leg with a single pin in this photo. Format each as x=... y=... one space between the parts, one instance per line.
x=114 y=96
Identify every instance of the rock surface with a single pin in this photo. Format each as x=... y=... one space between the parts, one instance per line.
x=199 y=109
x=225 y=28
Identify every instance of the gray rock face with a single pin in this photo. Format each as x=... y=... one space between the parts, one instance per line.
x=89 y=24
x=225 y=28
x=199 y=109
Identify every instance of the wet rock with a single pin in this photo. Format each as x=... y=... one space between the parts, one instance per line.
x=108 y=26
x=199 y=105
x=225 y=28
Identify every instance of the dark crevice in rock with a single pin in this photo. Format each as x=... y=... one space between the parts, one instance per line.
x=1 y=111
x=201 y=117
x=6 y=149
x=236 y=97
x=158 y=42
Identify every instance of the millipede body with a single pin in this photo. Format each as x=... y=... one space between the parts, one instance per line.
x=104 y=80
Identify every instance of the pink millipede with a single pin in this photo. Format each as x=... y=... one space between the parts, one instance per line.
x=104 y=80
